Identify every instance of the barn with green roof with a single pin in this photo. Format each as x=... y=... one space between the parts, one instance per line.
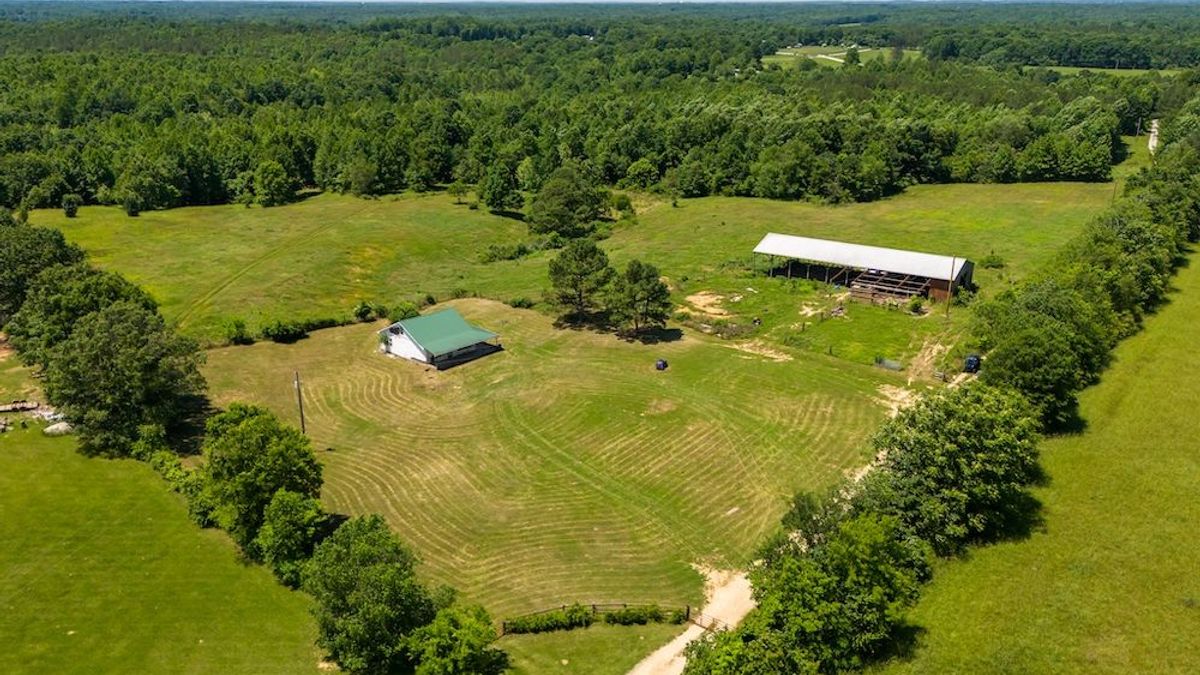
x=441 y=339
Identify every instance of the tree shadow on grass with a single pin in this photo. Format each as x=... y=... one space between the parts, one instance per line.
x=1022 y=518
x=186 y=435
x=653 y=336
x=901 y=644
x=505 y=213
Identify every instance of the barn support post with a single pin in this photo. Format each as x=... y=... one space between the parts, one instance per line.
x=950 y=288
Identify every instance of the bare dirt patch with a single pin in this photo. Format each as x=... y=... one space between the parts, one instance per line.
x=660 y=406
x=809 y=309
x=707 y=302
x=896 y=398
x=923 y=366
x=759 y=349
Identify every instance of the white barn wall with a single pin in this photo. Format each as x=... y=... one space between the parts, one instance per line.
x=401 y=345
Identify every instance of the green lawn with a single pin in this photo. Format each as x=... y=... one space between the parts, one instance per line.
x=1110 y=584
x=102 y=572
x=566 y=468
x=598 y=650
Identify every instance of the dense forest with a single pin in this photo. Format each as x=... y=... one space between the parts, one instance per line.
x=150 y=109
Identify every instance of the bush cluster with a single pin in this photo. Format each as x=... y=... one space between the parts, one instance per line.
x=567 y=618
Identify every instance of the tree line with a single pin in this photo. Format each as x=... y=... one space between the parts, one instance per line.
x=149 y=114
x=837 y=580
x=126 y=382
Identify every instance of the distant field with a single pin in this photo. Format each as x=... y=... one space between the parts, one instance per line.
x=1110 y=585
x=1117 y=72
x=566 y=467
x=834 y=55
x=318 y=257
x=102 y=572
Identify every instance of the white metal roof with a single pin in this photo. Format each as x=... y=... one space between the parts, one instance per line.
x=862 y=257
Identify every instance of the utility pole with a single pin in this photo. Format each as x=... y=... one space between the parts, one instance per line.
x=300 y=403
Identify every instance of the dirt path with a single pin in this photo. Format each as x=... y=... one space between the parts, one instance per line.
x=729 y=600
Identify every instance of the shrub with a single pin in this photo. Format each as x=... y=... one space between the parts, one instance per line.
x=236 y=333
x=404 y=310
x=991 y=261
x=916 y=304
x=638 y=615
x=521 y=302
x=426 y=301
x=575 y=616
x=283 y=331
x=71 y=204
x=363 y=311
x=461 y=293
x=498 y=252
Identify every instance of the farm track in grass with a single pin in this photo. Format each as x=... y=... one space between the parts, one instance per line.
x=565 y=467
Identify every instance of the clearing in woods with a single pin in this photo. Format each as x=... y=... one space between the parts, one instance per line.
x=1115 y=561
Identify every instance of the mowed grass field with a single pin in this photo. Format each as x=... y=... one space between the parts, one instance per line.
x=317 y=258
x=1110 y=585
x=101 y=571
x=566 y=468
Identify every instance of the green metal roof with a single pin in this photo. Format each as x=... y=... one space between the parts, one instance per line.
x=444 y=332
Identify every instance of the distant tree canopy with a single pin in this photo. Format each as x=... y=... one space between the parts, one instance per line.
x=148 y=113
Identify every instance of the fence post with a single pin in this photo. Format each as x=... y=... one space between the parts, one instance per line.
x=503 y=627
x=687 y=613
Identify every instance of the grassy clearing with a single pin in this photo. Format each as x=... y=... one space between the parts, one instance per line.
x=1116 y=72
x=1116 y=561
x=566 y=468
x=317 y=258
x=832 y=56
x=101 y=571
x=598 y=650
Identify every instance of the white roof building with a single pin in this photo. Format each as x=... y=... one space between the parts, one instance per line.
x=857 y=256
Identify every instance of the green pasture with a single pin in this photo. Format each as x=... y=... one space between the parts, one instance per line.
x=566 y=468
x=101 y=571
x=317 y=258
x=1108 y=584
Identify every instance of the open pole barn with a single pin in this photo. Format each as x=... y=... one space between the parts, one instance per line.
x=871 y=273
